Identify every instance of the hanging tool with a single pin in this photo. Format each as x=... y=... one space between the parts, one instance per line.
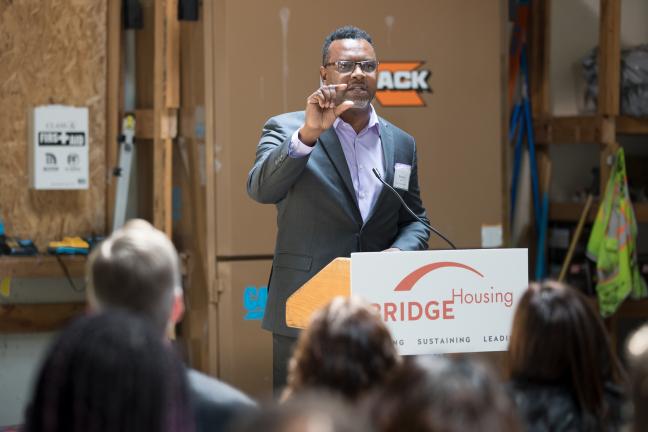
x=123 y=171
x=575 y=238
x=132 y=21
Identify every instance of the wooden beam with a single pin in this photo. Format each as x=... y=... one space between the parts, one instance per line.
x=30 y=318
x=569 y=130
x=539 y=57
x=505 y=153
x=113 y=100
x=609 y=58
x=608 y=151
x=159 y=153
x=213 y=20
x=172 y=56
x=165 y=102
x=41 y=266
x=192 y=105
x=145 y=124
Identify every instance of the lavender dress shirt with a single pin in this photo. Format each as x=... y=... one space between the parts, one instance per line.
x=363 y=151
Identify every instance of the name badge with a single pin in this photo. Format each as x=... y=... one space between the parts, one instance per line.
x=402 y=176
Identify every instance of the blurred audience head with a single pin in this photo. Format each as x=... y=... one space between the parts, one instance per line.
x=110 y=372
x=310 y=412
x=559 y=338
x=637 y=356
x=137 y=269
x=346 y=349
x=430 y=394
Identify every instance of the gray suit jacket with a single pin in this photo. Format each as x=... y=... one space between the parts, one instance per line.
x=216 y=405
x=318 y=216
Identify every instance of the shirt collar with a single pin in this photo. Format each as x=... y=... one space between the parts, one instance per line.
x=373 y=121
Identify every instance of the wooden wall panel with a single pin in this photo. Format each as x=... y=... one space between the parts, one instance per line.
x=51 y=52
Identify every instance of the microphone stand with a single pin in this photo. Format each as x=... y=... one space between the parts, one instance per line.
x=427 y=225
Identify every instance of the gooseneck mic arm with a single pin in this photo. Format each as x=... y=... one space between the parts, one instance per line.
x=427 y=225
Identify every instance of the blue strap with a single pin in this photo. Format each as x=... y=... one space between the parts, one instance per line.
x=535 y=188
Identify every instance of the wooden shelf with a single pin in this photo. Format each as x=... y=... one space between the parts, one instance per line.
x=41 y=266
x=29 y=318
x=568 y=130
x=632 y=125
x=570 y=212
x=583 y=129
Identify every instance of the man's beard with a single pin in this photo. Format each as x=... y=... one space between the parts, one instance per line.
x=360 y=102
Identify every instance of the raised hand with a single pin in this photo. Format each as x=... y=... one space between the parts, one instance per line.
x=322 y=108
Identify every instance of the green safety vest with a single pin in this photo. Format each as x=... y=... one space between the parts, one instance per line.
x=612 y=244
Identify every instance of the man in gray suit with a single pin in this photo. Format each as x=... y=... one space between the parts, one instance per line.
x=316 y=166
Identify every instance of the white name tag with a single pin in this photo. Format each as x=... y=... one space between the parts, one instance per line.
x=402 y=176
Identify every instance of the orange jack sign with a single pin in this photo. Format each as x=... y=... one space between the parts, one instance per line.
x=400 y=84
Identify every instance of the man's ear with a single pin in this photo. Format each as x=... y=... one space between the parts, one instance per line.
x=178 y=308
x=92 y=305
x=322 y=75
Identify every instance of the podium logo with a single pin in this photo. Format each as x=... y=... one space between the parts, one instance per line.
x=408 y=281
x=400 y=84
x=433 y=307
x=254 y=302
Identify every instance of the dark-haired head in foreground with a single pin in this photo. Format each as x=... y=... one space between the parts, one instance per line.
x=346 y=349
x=310 y=412
x=564 y=373
x=110 y=372
x=430 y=394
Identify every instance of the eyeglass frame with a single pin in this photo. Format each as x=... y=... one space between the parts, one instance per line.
x=355 y=64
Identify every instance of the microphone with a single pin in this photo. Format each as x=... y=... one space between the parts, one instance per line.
x=427 y=225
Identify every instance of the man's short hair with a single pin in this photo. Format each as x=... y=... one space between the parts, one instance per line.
x=346 y=32
x=137 y=269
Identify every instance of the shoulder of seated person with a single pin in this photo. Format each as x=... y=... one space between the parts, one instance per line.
x=210 y=388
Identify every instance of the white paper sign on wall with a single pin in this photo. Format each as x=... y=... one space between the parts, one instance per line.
x=446 y=301
x=58 y=154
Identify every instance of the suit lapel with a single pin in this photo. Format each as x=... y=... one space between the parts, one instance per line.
x=333 y=149
x=388 y=147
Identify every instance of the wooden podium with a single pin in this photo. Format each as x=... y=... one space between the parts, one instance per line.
x=332 y=281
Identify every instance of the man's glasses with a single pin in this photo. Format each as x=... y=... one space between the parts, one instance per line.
x=346 y=66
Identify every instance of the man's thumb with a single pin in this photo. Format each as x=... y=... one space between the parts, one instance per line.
x=343 y=107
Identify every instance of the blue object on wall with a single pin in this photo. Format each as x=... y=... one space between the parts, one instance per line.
x=254 y=302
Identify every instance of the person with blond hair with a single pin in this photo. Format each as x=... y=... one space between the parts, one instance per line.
x=137 y=269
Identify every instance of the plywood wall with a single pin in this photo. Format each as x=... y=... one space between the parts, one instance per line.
x=51 y=52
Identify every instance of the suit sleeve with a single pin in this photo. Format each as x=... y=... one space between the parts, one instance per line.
x=274 y=171
x=412 y=234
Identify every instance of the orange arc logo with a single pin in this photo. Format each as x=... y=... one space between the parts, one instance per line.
x=400 y=84
x=410 y=280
